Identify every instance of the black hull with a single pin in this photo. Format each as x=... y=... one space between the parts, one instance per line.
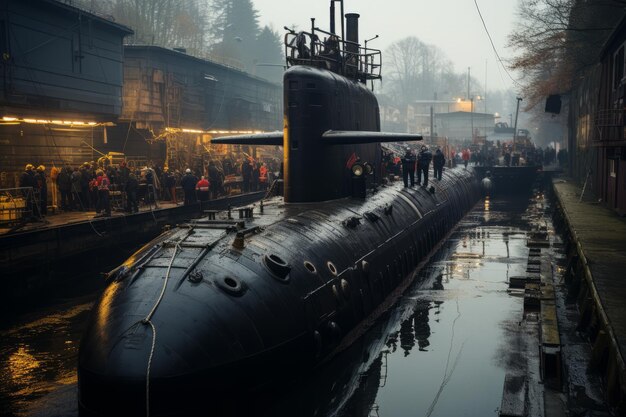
x=211 y=341
x=222 y=307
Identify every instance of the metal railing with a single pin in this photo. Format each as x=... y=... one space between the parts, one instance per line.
x=18 y=205
x=334 y=54
x=609 y=125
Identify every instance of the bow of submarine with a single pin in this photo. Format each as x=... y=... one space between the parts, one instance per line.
x=201 y=341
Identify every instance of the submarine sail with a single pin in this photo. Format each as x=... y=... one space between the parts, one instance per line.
x=217 y=307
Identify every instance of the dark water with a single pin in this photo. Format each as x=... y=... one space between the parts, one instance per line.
x=39 y=349
x=443 y=350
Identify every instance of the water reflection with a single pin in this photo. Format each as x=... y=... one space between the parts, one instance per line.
x=413 y=329
x=436 y=351
x=39 y=356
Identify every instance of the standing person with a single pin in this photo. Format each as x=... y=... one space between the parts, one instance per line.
x=425 y=156
x=246 y=173
x=215 y=179
x=77 y=198
x=465 y=155
x=507 y=158
x=408 y=168
x=64 y=183
x=123 y=174
x=43 y=189
x=84 y=186
x=54 y=175
x=188 y=183
x=439 y=161
x=93 y=192
x=254 y=176
x=28 y=183
x=263 y=176
x=169 y=181
x=103 y=194
x=202 y=187
x=131 y=186
x=150 y=191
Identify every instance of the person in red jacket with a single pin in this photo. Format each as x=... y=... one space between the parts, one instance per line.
x=263 y=179
x=465 y=155
x=202 y=187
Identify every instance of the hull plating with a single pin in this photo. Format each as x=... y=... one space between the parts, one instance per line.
x=191 y=317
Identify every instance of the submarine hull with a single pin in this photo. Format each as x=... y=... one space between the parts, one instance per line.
x=301 y=288
x=216 y=308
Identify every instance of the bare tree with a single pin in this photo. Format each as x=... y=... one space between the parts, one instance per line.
x=168 y=23
x=557 y=39
x=418 y=71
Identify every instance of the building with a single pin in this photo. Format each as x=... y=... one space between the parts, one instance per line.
x=61 y=83
x=180 y=102
x=165 y=88
x=606 y=134
x=73 y=93
x=462 y=126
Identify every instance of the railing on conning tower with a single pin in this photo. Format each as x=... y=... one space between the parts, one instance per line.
x=334 y=54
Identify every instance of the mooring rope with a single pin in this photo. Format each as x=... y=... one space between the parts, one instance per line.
x=147 y=320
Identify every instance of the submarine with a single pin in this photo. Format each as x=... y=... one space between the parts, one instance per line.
x=226 y=304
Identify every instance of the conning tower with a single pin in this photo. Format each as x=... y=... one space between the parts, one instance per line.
x=331 y=118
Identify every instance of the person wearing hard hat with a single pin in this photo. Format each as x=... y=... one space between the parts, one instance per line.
x=28 y=184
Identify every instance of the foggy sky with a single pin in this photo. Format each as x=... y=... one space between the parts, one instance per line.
x=452 y=25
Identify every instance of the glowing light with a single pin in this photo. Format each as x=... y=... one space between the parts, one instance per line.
x=21 y=366
x=77 y=123
x=211 y=132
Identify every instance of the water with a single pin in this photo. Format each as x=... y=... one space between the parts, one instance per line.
x=443 y=350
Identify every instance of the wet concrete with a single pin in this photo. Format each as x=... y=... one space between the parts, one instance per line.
x=445 y=349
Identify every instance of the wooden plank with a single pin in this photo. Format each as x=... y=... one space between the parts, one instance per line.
x=549 y=324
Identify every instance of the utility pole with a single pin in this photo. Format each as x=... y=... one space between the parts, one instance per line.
x=515 y=128
x=432 y=117
x=468 y=83
x=472 y=116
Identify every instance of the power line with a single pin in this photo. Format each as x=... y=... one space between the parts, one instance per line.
x=494 y=47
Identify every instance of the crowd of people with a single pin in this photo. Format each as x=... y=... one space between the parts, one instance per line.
x=411 y=164
x=100 y=185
